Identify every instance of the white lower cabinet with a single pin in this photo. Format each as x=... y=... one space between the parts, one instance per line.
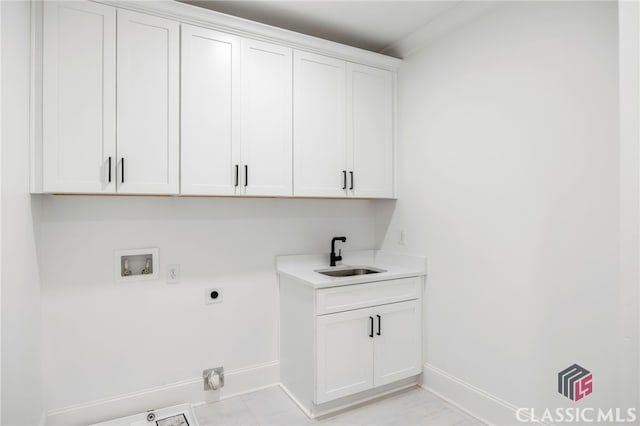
x=397 y=342
x=338 y=358
x=345 y=354
x=361 y=349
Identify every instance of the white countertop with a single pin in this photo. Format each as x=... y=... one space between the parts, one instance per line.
x=302 y=267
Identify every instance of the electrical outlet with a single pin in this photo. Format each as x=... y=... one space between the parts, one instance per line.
x=173 y=274
x=213 y=295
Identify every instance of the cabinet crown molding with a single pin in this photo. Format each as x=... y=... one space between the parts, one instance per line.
x=194 y=15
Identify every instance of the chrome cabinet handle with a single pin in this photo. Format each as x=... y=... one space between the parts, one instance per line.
x=351 y=173
x=109 y=169
x=237 y=167
x=344 y=179
x=379 y=333
x=371 y=324
x=246 y=175
x=122 y=174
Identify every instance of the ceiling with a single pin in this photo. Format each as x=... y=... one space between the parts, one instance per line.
x=370 y=25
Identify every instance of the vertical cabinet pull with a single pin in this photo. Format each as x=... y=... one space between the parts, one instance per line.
x=122 y=174
x=246 y=175
x=109 y=169
x=379 y=328
x=344 y=179
x=371 y=329
x=351 y=173
x=237 y=167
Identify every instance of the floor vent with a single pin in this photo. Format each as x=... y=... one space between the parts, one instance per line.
x=178 y=415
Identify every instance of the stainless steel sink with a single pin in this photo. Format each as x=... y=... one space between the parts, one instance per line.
x=349 y=272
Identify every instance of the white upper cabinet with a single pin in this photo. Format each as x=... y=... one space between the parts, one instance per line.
x=236 y=115
x=148 y=104
x=134 y=103
x=343 y=129
x=319 y=133
x=370 y=131
x=79 y=96
x=267 y=145
x=210 y=115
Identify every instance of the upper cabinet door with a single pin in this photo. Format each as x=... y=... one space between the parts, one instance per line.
x=266 y=119
x=79 y=97
x=210 y=118
x=319 y=135
x=148 y=118
x=370 y=131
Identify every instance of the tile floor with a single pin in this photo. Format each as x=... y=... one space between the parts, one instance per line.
x=272 y=407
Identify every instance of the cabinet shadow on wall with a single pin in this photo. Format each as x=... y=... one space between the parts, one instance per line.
x=384 y=211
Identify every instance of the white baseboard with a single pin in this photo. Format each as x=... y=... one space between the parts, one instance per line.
x=331 y=407
x=480 y=404
x=186 y=391
x=295 y=401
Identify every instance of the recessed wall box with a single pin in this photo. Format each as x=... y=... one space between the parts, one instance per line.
x=137 y=265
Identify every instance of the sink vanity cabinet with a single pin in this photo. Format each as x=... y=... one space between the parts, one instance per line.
x=379 y=343
x=345 y=340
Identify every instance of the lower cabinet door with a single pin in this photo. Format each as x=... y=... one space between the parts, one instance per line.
x=397 y=345
x=344 y=354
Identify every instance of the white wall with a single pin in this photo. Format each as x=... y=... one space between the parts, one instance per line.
x=508 y=158
x=21 y=319
x=629 y=36
x=0 y=215
x=103 y=338
x=509 y=184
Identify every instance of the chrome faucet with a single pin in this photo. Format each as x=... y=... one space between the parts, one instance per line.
x=333 y=258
